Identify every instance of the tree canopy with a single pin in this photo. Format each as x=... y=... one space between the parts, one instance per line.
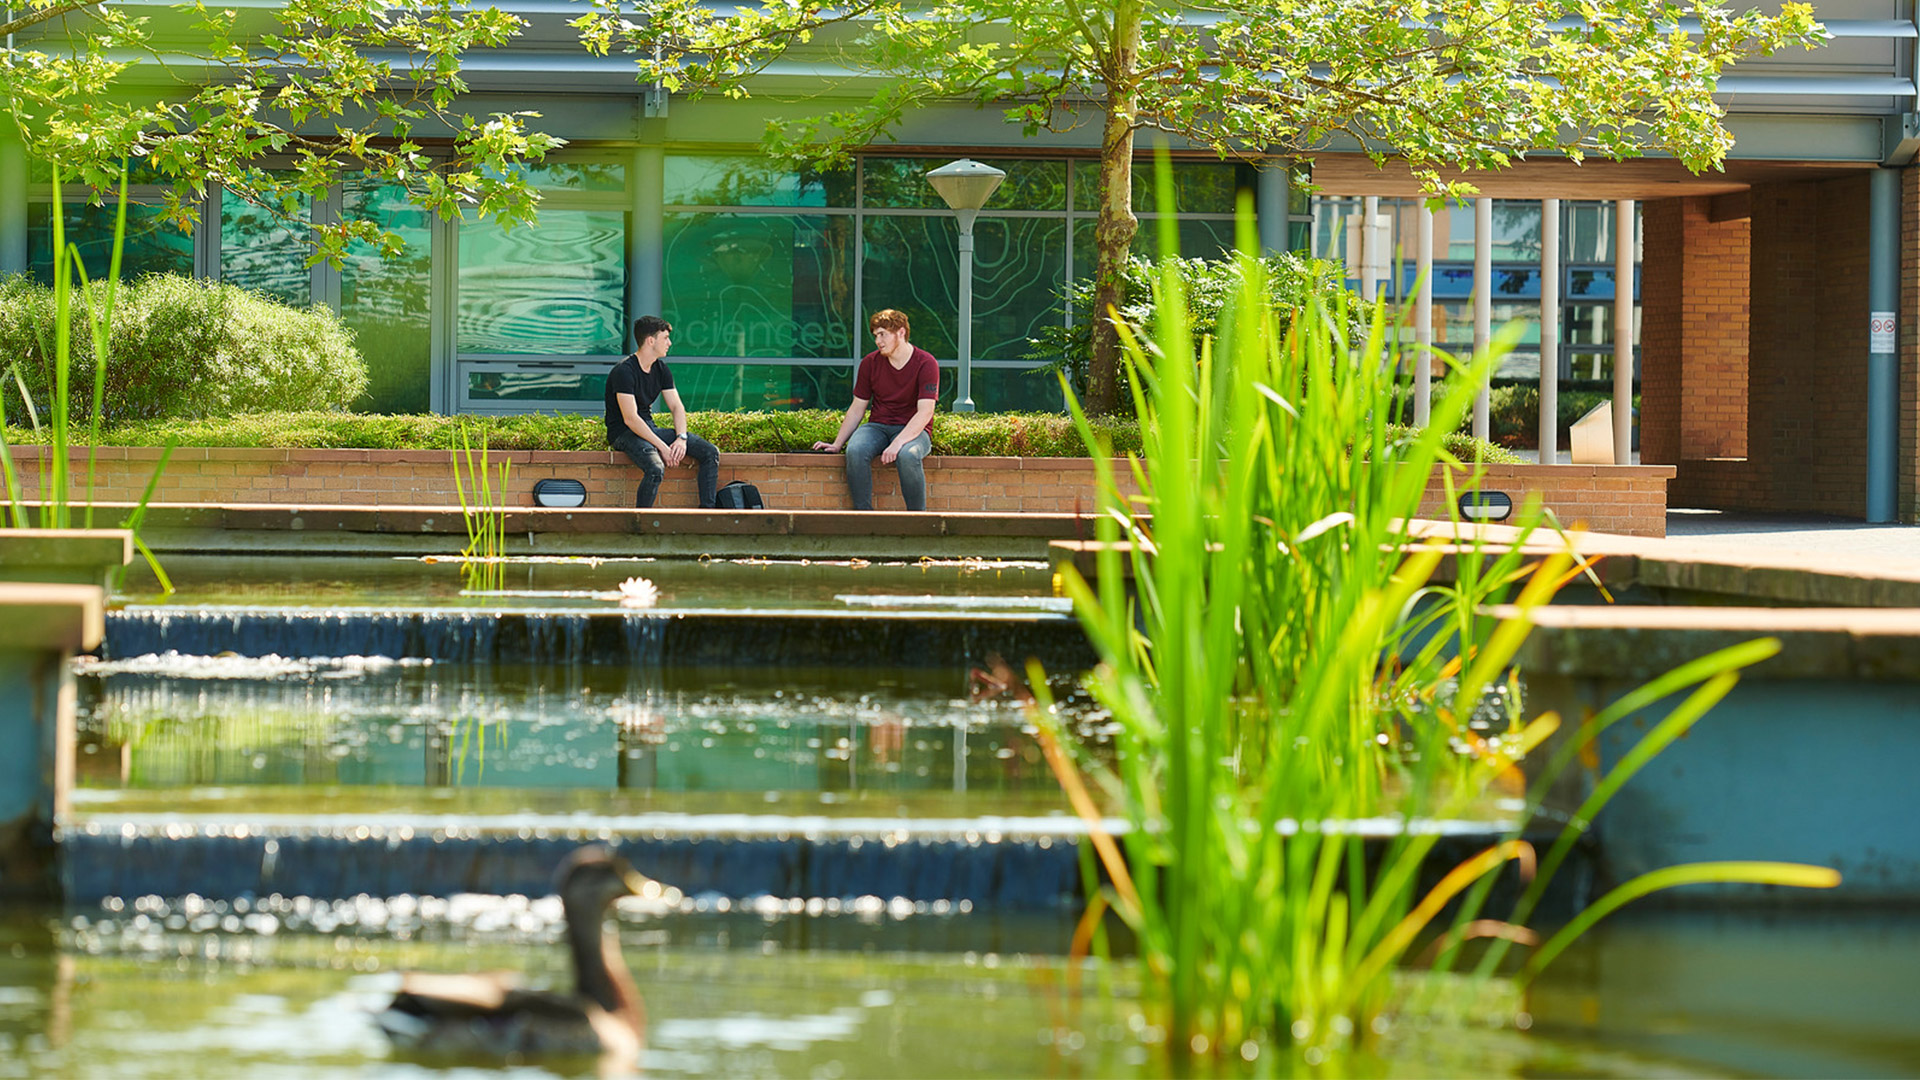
x=272 y=103
x=1440 y=84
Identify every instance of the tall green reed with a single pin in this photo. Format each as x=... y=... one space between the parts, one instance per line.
x=1286 y=673
x=54 y=510
x=482 y=495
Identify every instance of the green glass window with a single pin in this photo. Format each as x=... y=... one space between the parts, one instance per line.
x=556 y=384
x=1199 y=187
x=384 y=300
x=557 y=288
x=1200 y=238
x=752 y=181
x=762 y=387
x=600 y=176
x=760 y=285
x=1299 y=190
x=266 y=251
x=152 y=245
x=1006 y=390
x=901 y=183
x=1018 y=270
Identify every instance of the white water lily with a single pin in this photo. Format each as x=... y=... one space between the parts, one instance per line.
x=638 y=592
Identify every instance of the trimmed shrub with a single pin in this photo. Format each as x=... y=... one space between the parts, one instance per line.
x=966 y=435
x=180 y=347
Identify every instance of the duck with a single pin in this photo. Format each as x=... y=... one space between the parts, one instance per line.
x=490 y=1014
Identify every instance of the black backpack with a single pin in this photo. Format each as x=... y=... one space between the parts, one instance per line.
x=738 y=495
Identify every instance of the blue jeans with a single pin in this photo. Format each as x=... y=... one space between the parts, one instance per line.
x=869 y=442
x=653 y=468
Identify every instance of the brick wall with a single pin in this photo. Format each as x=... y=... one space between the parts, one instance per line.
x=1804 y=362
x=1694 y=330
x=1628 y=499
x=1663 y=239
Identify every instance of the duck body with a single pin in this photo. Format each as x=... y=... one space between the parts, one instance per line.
x=492 y=1015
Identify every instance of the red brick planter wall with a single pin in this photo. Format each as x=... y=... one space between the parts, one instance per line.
x=1625 y=499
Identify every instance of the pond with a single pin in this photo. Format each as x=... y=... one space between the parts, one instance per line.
x=867 y=693
x=260 y=992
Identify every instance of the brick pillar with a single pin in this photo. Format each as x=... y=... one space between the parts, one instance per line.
x=1694 y=331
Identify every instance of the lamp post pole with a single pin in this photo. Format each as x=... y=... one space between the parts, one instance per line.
x=966 y=185
x=963 y=394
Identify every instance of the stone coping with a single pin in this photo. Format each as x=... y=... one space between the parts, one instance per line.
x=1633 y=644
x=60 y=617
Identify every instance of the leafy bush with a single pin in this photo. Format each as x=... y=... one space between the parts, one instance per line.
x=1209 y=285
x=1514 y=413
x=182 y=348
x=957 y=434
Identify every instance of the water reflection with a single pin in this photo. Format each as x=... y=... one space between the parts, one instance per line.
x=158 y=722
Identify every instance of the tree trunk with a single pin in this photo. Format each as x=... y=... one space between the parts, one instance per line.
x=1114 y=228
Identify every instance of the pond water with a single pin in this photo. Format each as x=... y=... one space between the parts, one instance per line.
x=160 y=723
x=869 y=994
x=748 y=985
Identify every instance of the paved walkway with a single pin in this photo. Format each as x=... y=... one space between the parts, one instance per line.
x=1739 y=531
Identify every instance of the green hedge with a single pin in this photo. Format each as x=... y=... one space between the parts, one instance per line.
x=180 y=347
x=970 y=435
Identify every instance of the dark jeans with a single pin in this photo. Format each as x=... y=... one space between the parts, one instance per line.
x=869 y=442
x=653 y=468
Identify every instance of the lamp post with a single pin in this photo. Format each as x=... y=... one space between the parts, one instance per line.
x=966 y=185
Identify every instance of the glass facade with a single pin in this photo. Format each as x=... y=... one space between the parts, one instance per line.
x=152 y=244
x=555 y=288
x=260 y=250
x=768 y=271
x=385 y=301
x=1586 y=276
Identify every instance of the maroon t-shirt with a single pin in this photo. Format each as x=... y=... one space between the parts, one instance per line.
x=895 y=394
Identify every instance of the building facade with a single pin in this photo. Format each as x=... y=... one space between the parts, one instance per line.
x=1753 y=309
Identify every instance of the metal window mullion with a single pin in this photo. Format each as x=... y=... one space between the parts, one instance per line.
x=324 y=277
x=859 y=254
x=206 y=239
x=446 y=392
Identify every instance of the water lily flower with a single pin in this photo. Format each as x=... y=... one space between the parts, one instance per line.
x=638 y=592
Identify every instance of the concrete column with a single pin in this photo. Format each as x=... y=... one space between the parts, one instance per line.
x=1482 y=311
x=1423 y=320
x=41 y=627
x=1883 y=366
x=647 y=239
x=1549 y=331
x=13 y=206
x=1623 y=222
x=1271 y=183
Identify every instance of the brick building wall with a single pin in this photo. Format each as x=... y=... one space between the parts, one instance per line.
x=1623 y=499
x=1799 y=258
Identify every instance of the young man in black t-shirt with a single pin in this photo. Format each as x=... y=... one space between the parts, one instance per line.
x=632 y=387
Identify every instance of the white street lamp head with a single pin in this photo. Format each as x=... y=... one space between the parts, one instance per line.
x=965 y=184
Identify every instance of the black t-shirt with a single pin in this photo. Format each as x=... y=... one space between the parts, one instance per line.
x=645 y=386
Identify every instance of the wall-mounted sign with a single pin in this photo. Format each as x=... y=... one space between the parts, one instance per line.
x=1881 y=326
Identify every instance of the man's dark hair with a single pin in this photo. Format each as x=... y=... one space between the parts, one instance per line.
x=646 y=326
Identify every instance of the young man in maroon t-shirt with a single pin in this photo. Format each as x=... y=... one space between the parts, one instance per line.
x=901 y=383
